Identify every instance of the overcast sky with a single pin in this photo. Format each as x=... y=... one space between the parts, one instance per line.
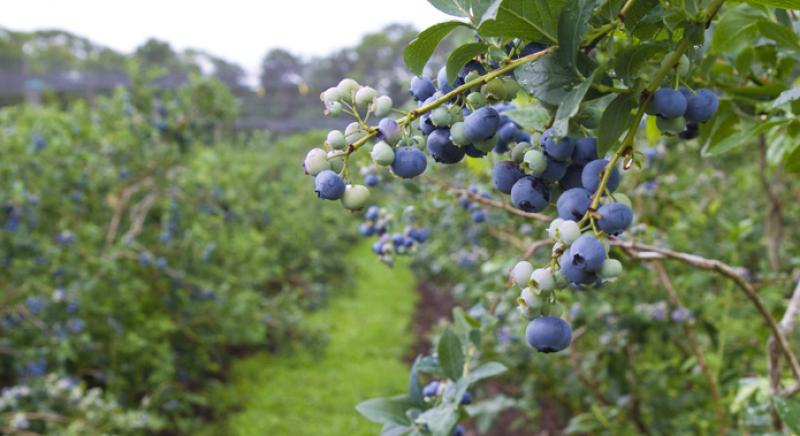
x=239 y=30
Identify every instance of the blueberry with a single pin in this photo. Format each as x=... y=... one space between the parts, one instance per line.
x=467 y=398
x=75 y=325
x=481 y=124
x=592 y=174
x=560 y=150
x=530 y=194
x=365 y=96
x=409 y=162
x=372 y=180
x=382 y=153
x=420 y=235
x=505 y=174
x=573 y=272
x=702 y=106
x=587 y=253
x=431 y=389
x=328 y=185
x=425 y=124
x=441 y=80
x=366 y=229
x=667 y=103
x=377 y=247
x=422 y=88
x=458 y=431
x=521 y=273
x=398 y=239
x=389 y=131
x=548 y=334
x=383 y=106
x=316 y=161
x=507 y=132
x=536 y=161
x=471 y=66
x=531 y=48
x=572 y=177
x=615 y=218
x=691 y=131
x=442 y=149
x=554 y=171
x=355 y=197
x=573 y=203
x=372 y=213
x=471 y=151
x=479 y=216
x=585 y=150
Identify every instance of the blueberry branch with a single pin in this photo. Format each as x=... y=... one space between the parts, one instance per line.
x=416 y=113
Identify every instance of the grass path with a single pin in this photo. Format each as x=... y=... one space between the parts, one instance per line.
x=305 y=394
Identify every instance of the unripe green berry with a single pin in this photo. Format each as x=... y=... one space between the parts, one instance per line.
x=535 y=161
x=494 y=90
x=476 y=99
x=337 y=162
x=348 y=88
x=673 y=126
x=552 y=231
x=560 y=279
x=569 y=231
x=472 y=75
x=330 y=95
x=519 y=150
x=457 y=134
x=365 y=96
x=611 y=268
x=486 y=145
x=440 y=117
x=355 y=197
x=382 y=153
x=521 y=273
x=336 y=140
x=335 y=108
x=383 y=106
x=543 y=279
x=511 y=88
x=316 y=161
x=353 y=132
x=528 y=297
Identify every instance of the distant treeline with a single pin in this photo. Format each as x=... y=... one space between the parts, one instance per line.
x=58 y=66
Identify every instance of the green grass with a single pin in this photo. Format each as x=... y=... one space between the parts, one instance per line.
x=306 y=394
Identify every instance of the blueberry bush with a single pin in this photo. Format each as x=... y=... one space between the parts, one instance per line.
x=597 y=146
x=140 y=254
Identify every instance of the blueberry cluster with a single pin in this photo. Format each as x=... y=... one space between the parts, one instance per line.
x=680 y=111
x=437 y=388
x=475 y=209
x=377 y=222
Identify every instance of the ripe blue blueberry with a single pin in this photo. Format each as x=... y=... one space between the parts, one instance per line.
x=366 y=229
x=554 y=171
x=701 y=106
x=328 y=185
x=531 y=48
x=573 y=203
x=398 y=239
x=667 y=103
x=573 y=272
x=471 y=151
x=479 y=216
x=471 y=66
x=592 y=174
x=691 y=131
x=467 y=398
x=459 y=431
x=615 y=218
x=505 y=174
x=421 y=88
x=372 y=180
x=559 y=150
x=372 y=213
x=431 y=389
x=442 y=149
x=587 y=253
x=585 y=150
x=441 y=80
x=409 y=162
x=572 y=177
x=481 y=124
x=530 y=194
x=420 y=235
x=507 y=132
x=548 y=334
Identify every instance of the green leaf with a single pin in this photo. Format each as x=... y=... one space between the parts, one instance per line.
x=462 y=8
x=391 y=429
x=451 y=355
x=488 y=369
x=615 y=120
x=460 y=56
x=738 y=138
x=792 y=164
x=386 y=410
x=787 y=96
x=572 y=24
x=630 y=60
x=546 y=79
x=420 y=49
x=735 y=30
x=440 y=420
x=783 y=4
x=569 y=107
x=532 y=20
x=789 y=411
x=414 y=388
x=533 y=117
x=780 y=34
